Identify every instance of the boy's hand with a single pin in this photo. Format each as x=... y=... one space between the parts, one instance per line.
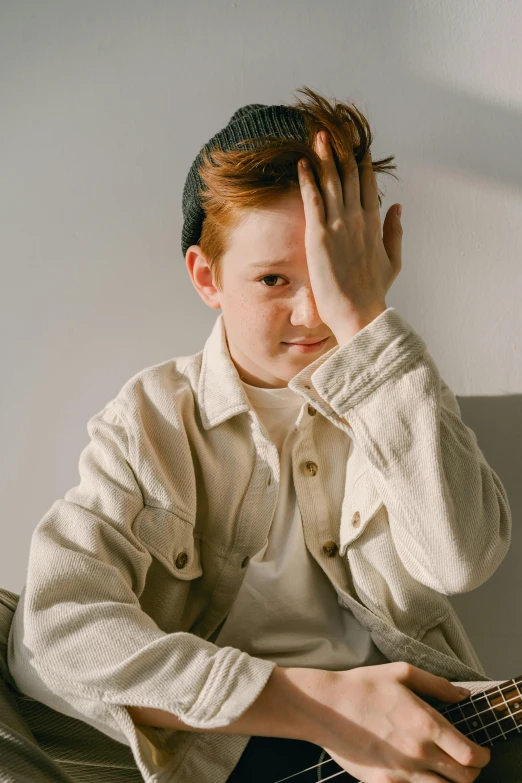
x=351 y=266
x=374 y=725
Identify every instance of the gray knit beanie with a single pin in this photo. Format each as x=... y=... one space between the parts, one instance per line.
x=251 y=121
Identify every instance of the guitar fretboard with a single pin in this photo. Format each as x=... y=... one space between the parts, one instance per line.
x=489 y=716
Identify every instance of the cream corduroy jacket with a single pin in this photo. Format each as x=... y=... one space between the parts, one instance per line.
x=134 y=569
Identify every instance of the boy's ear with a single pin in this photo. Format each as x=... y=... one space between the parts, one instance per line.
x=202 y=277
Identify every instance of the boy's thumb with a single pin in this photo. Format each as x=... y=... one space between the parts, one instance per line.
x=462 y=692
x=456 y=691
x=423 y=682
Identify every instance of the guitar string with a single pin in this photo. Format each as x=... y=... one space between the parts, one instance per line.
x=454 y=707
x=336 y=774
x=322 y=780
x=483 y=727
x=302 y=771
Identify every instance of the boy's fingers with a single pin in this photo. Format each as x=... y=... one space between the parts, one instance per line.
x=312 y=201
x=351 y=186
x=333 y=195
x=369 y=190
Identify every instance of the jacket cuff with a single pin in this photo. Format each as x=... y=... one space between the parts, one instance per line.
x=230 y=689
x=350 y=372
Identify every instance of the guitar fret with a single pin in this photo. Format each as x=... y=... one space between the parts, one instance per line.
x=506 y=707
x=500 y=714
x=465 y=722
x=489 y=715
x=479 y=704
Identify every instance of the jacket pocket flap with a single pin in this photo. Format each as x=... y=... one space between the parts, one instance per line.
x=171 y=540
x=358 y=508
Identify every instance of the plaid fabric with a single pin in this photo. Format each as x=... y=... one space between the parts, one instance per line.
x=40 y=745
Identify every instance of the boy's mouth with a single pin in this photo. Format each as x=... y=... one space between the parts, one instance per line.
x=307 y=347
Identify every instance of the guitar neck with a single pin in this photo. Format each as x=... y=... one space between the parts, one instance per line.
x=488 y=716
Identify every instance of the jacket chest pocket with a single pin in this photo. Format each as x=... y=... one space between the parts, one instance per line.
x=359 y=507
x=171 y=540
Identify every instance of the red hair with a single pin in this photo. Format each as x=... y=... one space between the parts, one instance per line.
x=238 y=180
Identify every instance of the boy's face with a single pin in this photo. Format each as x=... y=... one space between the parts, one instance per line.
x=265 y=305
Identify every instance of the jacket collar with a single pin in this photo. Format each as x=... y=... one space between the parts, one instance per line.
x=220 y=392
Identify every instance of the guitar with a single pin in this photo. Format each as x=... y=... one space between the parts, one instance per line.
x=487 y=717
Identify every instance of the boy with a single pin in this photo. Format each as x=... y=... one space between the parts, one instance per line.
x=265 y=533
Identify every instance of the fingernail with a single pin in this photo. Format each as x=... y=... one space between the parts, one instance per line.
x=464 y=691
x=399 y=210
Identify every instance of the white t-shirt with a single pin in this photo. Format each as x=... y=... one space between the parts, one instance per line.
x=286 y=609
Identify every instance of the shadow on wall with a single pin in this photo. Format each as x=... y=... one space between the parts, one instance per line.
x=492 y=614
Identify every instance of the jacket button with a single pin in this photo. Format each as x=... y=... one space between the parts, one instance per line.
x=245 y=561
x=311 y=468
x=330 y=548
x=356 y=519
x=311 y=411
x=181 y=560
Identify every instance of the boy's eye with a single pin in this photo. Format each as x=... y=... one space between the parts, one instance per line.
x=270 y=277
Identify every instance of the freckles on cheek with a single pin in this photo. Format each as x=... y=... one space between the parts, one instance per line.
x=245 y=321
x=258 y=324
x=239 y=307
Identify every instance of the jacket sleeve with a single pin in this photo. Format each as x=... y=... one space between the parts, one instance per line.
x=79 y=640
x=448 y=512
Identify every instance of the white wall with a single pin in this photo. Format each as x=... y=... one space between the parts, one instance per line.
x=104 y=106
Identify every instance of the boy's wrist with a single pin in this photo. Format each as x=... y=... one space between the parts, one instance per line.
x=290 y=705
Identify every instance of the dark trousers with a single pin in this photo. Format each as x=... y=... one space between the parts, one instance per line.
x=269 y=759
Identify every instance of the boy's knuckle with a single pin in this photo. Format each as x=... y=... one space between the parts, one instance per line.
x=403 y=669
